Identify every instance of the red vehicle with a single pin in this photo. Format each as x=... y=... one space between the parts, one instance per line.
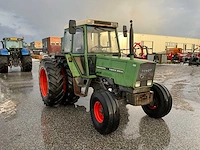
x=174 y=54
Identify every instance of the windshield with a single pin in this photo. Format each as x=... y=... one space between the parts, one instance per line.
x=102 y=40
x=13 y=44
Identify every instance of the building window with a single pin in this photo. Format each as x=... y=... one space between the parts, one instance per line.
x=52 y=43
x=57 y=43
x=171 y=44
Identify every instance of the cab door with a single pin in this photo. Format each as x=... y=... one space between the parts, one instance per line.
x=78 y=49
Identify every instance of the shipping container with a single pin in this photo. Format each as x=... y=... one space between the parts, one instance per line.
x=52 y=45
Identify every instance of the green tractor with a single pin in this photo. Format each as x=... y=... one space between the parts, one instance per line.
x=91 y=57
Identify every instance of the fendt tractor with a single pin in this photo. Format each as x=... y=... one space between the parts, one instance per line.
x=91 y=57
x=14 y=54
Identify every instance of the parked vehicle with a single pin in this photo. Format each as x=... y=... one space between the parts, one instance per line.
x=14 y=54
x=91 y=57
x=194 y=59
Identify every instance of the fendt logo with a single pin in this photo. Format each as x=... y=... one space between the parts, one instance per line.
x=146 y=70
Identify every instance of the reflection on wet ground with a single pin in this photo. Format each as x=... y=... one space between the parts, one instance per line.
x=32 y=125
x=74 y=130
x=13 y=83
x=183 y=83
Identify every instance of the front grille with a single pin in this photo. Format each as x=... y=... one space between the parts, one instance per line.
x=143 y=83
x=146 y=72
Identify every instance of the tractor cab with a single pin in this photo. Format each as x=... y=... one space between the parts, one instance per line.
x=90 y=38
x=12 y=43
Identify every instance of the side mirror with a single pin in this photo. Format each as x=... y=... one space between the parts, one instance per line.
x=25 y=44
x=125 y=31
x=72 y=26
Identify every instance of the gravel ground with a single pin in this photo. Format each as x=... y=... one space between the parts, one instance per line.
x=26 y=123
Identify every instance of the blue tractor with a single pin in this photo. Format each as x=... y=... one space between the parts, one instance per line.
x=14 y=54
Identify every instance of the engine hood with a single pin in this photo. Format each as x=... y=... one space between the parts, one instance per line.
x=124 y=71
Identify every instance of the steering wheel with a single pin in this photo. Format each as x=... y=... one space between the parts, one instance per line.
x=97 y=49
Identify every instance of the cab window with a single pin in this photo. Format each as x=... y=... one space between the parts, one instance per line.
x=78 y=42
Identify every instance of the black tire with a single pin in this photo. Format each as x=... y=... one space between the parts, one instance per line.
x=162 y=102
x=26 y=63
x=110 y=112
x=69 y=97
x=3 y=64
x=51 y=82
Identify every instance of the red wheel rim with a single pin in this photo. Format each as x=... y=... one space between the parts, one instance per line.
x=98 y=112
x=64 y=80
x=43 y=82
x=152 y=107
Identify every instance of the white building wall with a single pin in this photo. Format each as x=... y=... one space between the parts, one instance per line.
x=159 y=41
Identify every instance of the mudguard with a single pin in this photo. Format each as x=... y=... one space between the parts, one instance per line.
x=4 y=52
x=25 y=52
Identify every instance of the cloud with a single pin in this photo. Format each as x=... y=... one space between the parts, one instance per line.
x=16 y=23
x=43 y=18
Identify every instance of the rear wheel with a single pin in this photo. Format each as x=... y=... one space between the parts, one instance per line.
x=3 y=64
x=26 y=63
x=104 y=110
x=162 y=102
x=51 y=82
x=69 y=97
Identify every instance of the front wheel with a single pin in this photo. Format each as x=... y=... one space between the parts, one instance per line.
x=104 y=110
x=162 y=102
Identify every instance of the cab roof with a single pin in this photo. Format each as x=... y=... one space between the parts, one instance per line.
x=13 y=39
x=94 y=22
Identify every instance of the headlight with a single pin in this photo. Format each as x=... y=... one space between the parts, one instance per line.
x=137 y=84
x=149 y=82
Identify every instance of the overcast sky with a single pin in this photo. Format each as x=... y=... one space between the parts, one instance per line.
x=37 y=19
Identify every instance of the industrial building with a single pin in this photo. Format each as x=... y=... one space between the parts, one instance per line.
x=36 y=44
x=51 y=45
x=36 y=47
x=159 y=43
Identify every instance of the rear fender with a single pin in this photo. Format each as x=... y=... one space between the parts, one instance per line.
x=4 y=52
x=25 y=52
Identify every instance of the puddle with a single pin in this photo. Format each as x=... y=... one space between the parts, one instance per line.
x=179 y=100
x=143 y=131
x=85 y=101
x=11 y=85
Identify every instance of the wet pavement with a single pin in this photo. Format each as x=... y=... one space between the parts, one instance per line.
x=26 y=123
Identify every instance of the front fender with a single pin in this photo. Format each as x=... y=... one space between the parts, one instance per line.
x=4 y=52
x=25 y=52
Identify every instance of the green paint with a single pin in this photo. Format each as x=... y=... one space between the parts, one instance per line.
x=72 y=66
x=100 y=44
x=124 y=71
